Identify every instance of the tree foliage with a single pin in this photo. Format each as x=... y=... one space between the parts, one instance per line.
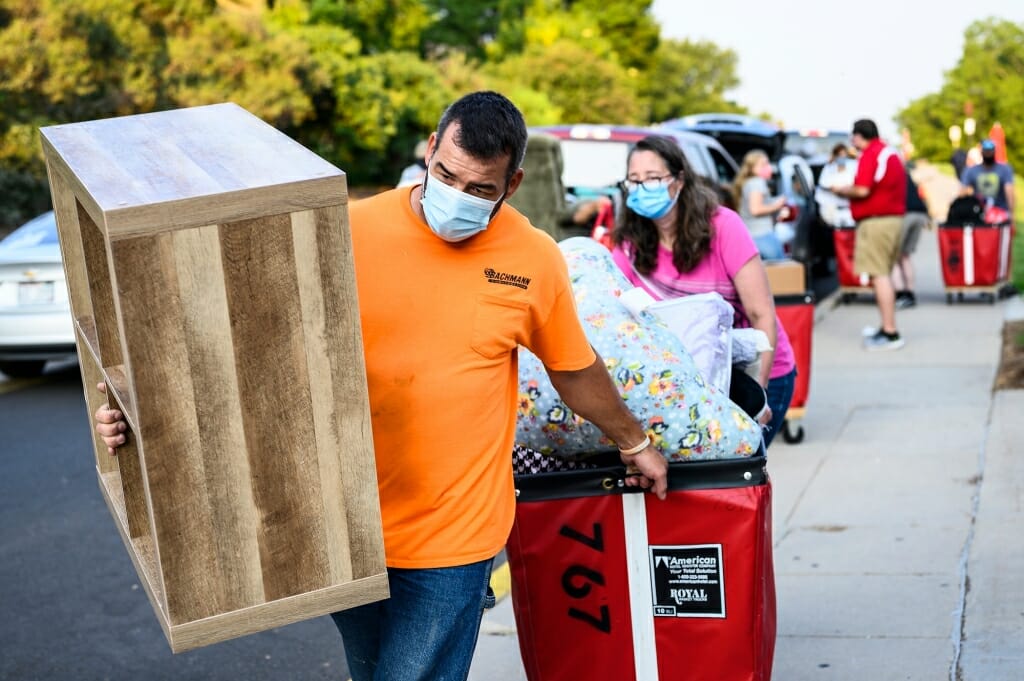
x=357 y=81
x=989 y=78
x=689 y=77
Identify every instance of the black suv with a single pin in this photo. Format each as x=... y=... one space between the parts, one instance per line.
x=793 y=178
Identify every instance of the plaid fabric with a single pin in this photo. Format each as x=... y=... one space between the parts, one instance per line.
x=526 y=461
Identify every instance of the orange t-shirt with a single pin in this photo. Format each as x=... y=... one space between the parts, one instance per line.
x=441 y=325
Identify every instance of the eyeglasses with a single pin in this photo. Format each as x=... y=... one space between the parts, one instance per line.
x=650 y=183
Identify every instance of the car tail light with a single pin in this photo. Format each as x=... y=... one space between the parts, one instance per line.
x=788 y=213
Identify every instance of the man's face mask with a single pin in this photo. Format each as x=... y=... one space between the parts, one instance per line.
x=454 y=215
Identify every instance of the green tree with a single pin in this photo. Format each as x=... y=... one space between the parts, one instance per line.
x=242 y=58
x=628 y=25
x=462 y=25
x=462 y=76
x=989 y=75
x=357 y=81
x=381 y=25
x=584 y=87
x=689 y=77
x=368 y=109
x=63 y=62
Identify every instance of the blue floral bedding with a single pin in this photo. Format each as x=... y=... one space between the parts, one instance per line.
x=685 y=417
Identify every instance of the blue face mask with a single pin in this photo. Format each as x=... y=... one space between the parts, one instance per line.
x=651 y=203
x=454 y=215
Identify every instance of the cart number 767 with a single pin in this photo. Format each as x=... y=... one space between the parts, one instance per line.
x=578 y=580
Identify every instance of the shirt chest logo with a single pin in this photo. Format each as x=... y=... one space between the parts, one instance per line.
x=495 y=277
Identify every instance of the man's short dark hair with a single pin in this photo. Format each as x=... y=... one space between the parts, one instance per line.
x=489 y=126
x=866 y=128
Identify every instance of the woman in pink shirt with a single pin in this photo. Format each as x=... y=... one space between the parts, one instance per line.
x=674 y=239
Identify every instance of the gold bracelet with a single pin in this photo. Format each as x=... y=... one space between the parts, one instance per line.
x=633 y=451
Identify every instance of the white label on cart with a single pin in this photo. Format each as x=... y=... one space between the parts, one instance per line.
x=688 y=581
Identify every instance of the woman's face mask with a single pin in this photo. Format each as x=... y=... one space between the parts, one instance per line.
x=454 y=215
x=651 y=203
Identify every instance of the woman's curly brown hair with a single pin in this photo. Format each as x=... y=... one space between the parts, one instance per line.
x=696 y=204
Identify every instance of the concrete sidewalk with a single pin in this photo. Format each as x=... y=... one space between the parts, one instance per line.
x=898 y=519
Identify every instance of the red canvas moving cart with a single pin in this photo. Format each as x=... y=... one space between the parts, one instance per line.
x=796 y=312
x=851 y=283
x=975 y=259
x=611 y=583
x=794 y=305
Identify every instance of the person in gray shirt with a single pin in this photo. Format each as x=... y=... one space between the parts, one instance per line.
x=990 y=180
x=756 y=206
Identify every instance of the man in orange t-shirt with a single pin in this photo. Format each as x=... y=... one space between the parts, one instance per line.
x=451 y=282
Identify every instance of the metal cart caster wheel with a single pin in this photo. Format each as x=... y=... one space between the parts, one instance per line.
x=793 y=437
x=960 y=297
x=949 y=299
x=991 y=298
x=848 y=298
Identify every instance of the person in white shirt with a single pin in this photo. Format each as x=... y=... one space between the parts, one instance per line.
x=839 y=171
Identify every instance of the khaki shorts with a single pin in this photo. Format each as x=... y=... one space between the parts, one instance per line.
x=913 y=223
x=877 y=247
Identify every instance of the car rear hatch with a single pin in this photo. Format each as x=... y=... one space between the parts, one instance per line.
x=738 y=143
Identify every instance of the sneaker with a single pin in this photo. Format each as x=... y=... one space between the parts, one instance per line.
x=883 y=341
x=905 y=299
x=869 y=331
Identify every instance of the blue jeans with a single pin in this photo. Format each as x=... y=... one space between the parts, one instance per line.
x=780 y=392
x=769 y=246
x=426 y=631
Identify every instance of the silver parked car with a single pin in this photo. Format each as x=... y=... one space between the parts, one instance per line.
x=35 y=317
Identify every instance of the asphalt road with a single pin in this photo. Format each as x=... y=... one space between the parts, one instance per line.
x=71 y=603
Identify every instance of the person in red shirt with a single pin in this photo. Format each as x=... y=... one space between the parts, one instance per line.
x=878 y=198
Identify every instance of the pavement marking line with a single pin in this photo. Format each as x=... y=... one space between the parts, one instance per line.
x=18 y=384
x=501 y=581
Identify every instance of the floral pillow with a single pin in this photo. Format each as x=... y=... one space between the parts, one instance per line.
x=686 y=417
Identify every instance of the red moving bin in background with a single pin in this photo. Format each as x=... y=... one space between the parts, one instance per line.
x=611 y=583
x=796 y=312
x=850 y=283
x=975 y=258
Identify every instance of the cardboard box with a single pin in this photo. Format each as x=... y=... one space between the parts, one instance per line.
x=210 y=274
x=786 y=277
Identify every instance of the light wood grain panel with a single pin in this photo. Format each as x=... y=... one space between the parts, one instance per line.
x=119 y=390
x=323 y=399
x=235 y=149
x=94 y=399
x=86 y=328
x=259 y=274
x=142 y=550
x=100 y=290
x=279 y=613
x=207 y=331
x=190 y=167
x=174 y=465
x=65 y=209
x=129 y=467
x=345 y=383
x=230 y=206
x=71 y=151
